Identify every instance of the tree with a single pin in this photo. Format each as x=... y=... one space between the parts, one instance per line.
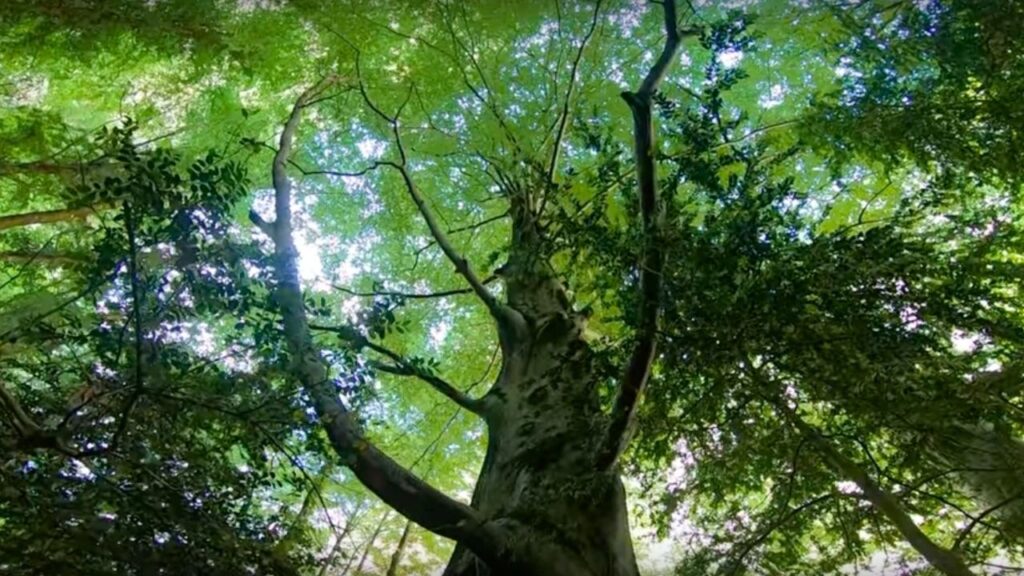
x=808 y=335
x=237 y=321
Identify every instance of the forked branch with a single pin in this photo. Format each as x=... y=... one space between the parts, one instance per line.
x=638 y=368
x=402 y=366
x=500 y=313
x=395 y=485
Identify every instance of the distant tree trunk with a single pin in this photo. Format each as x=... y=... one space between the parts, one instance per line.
x=371 y=542
x=298 y=524
x=396 y=558
x=350 y=524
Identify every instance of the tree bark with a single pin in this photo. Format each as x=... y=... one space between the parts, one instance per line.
x=539 y=480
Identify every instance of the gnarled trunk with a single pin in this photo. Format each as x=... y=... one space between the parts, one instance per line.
x=539 y=481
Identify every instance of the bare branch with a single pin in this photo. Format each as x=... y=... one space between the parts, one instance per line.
x=461 y=264
x=638 y=368
x=404 y=367
x=962 y=537
x=486 y=101
x=394 y=484
x=564 y=115
x=413 y=295
x=736 y=563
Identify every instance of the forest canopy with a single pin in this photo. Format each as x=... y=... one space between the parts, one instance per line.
x=542 y=288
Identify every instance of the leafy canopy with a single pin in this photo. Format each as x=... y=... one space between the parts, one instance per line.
x=842 y=242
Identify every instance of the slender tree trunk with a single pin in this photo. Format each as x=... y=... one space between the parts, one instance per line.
x=297 y=527
x=350 y=524
x=396 y=558
x=371 y=542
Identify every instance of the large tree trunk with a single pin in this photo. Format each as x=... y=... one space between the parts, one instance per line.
x=539 y=480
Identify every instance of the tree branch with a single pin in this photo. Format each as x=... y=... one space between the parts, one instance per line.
x=43 y=257
x=885 y=503
x=403 y=367
x=563 y=119
x=30 y=435
x=737 y=562
x=638 y=368
x=412 y=295
x=394 y=484
x=23 y=424
x=962 y=537
x=48 y=216
x=461 y=264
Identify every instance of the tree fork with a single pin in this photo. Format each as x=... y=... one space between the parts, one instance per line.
x=395 y=485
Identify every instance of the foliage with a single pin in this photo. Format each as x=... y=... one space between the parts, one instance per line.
x=841 y=234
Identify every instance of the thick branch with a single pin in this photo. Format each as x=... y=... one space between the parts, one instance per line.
x=395 y=485
x=638 y=368
x=47 y=216
x=657 y=72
